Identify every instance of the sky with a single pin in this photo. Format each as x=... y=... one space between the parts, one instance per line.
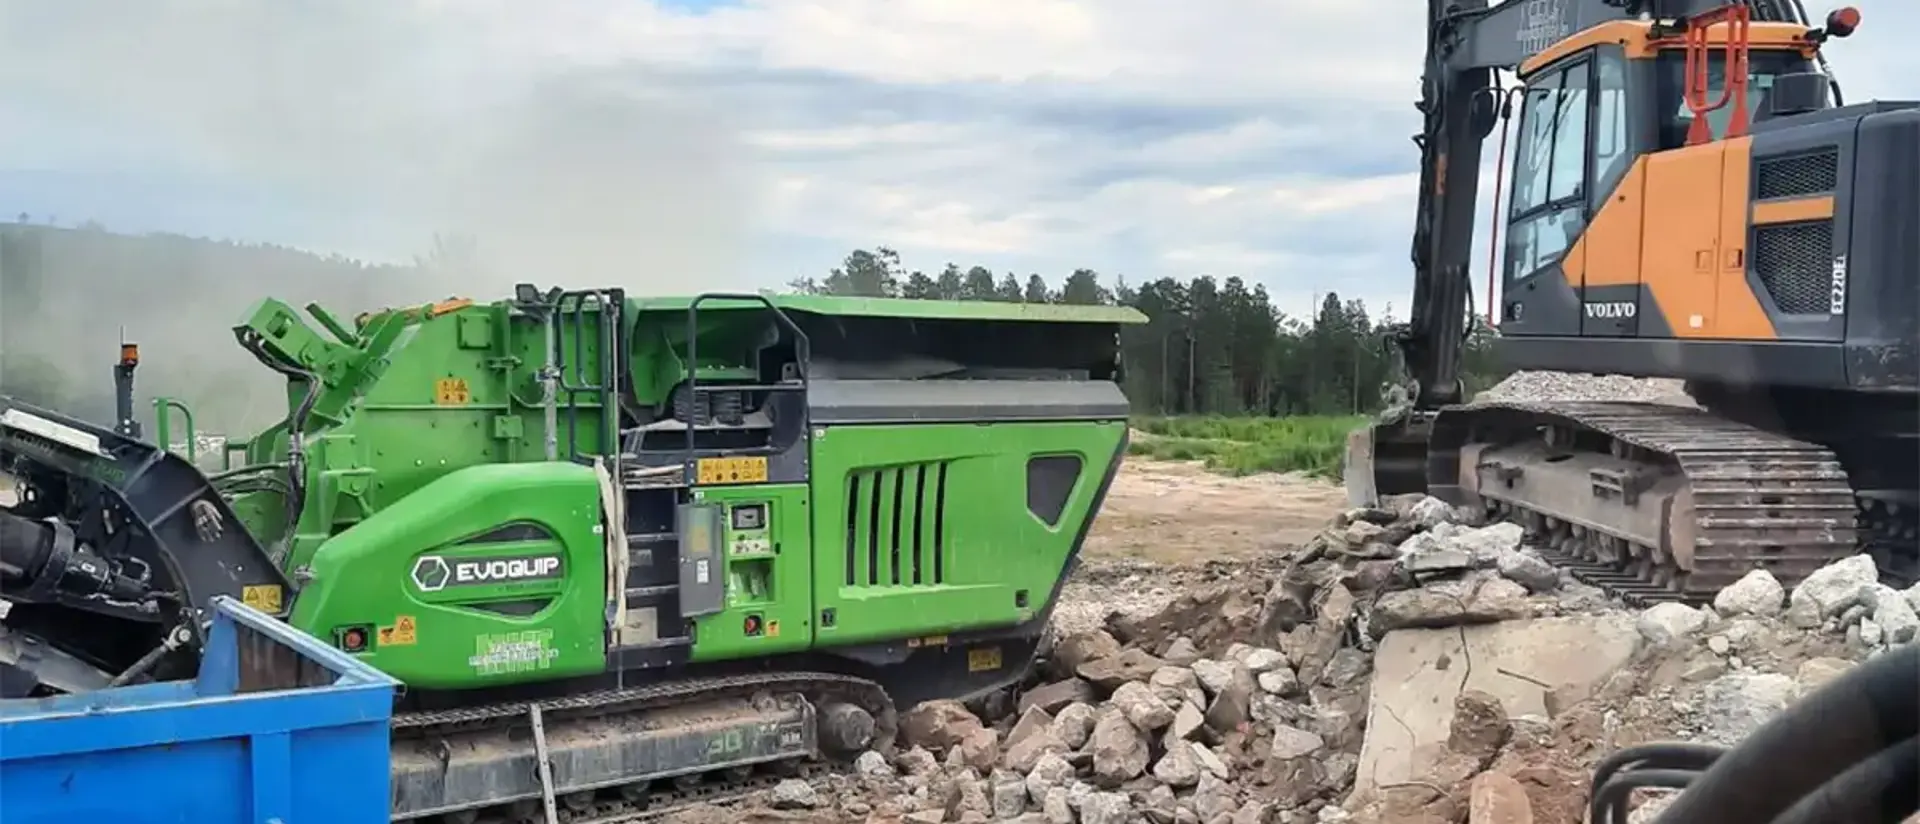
x=680 y=145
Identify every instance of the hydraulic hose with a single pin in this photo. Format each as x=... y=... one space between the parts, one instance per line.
x=40 y=559
x=296 y=465
x=1673 y=765
x=1884 y=789
x=297 y=458
x=1848 y=721
x=1611 y=799
x=25 y=546
x=1662 y=756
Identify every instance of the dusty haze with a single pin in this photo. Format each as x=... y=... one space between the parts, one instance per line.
x=412 y=118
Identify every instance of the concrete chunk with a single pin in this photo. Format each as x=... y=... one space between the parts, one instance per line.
x=1417 y=673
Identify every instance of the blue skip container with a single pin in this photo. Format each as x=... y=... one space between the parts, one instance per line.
x=277 y=728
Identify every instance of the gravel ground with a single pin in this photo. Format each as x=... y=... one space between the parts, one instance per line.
x=1573 y=386
x=1100 y=586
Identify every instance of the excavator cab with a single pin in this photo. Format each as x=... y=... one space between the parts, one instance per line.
x=1630 y=124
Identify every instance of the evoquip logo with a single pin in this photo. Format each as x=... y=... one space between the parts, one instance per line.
x=433 y=573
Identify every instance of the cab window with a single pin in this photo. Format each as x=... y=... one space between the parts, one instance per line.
x=1676 y=117
x=1550 y=163
x=1612 y=148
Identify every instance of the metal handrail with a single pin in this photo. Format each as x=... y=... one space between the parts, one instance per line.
x=803 y=353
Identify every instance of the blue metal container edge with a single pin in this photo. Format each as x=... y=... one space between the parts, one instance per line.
x=202 y=751
x=349 y=668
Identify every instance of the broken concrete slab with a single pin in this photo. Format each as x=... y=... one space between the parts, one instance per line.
x=1418 y=673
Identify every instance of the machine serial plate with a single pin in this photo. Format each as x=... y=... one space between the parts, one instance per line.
x=983 y=659
x=731 y=471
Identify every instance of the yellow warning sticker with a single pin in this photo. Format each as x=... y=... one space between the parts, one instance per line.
x=452 y=392
x=748 y=470
x=773 y=629
x=264 y=597
x=401 y=634
x=983 y=659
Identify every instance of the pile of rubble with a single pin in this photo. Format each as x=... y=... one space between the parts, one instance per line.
x=1407 y=665
x=1568 y=386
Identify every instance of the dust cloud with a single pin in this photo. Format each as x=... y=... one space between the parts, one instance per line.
x=394 y=121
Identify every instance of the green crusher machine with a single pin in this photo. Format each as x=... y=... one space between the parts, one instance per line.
x=623 y=552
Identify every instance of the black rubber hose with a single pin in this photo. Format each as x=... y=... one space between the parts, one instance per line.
x=25 y=545
x=1610 y=802
x=33 y=558
x=1663 y=755
x=1676 y=756
x=1884 y=788
x=1848 y=721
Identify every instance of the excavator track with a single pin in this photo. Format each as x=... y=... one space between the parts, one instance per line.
x=1617 y=493
x=753 y=739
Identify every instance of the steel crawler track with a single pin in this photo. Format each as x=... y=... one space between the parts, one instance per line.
x=1751 y=499
x=669 y=787
x=667 y=801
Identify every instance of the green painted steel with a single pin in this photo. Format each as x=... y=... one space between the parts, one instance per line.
x=925 y=530
x=472 y=506
x=424 y=575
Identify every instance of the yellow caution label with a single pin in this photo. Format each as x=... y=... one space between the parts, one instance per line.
x=401 y=634
x=751 y=470
x=452 y=392
x=267 y=598
x=983 y=659
x=773 y=629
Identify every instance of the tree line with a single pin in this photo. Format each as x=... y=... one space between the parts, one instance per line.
x=1211 y=346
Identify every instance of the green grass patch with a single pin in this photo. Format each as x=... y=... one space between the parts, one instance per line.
x=1315 y=445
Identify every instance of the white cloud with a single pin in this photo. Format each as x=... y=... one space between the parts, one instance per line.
x=623 y=140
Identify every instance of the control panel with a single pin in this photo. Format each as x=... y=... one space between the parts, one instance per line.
x=748 y=530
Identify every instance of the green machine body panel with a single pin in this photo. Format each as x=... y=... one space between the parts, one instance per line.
x=923 y=530
x=488 y=574
x=572 y=483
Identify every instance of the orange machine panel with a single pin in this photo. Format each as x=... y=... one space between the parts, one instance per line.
x=1795 y=210
x=1693 y=253
x=1742 y=317
x=1608 y=252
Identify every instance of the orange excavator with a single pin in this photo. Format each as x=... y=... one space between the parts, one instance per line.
x=1689 y=198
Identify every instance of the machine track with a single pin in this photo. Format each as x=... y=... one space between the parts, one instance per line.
x=663 y=802
x=502 y=734
x=1617 y=492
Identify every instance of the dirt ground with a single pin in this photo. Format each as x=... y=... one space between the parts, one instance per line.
x=1180 y=513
